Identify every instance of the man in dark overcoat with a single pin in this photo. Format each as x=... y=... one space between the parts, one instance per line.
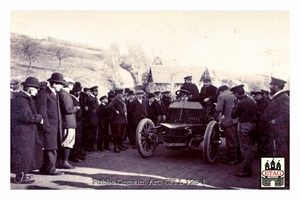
x=91 y=109
x=77 y=153
x=26 y=142
x=274 y=123
x=208 y=96
x=118 y=120
x=48 y=106
x=138 y=109
x=191 y=87
x=103 y=126
x=261 y=102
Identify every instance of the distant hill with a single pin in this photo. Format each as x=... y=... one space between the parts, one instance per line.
x=86 y=66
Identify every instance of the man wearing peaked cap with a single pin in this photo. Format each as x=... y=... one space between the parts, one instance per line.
x=188 y=78
x=238 y=89
x=94 y=88
x=278 y=81
x=189 y=86
x=274 y=124
x=245 y=111
x=92 y=105
x=119 y=91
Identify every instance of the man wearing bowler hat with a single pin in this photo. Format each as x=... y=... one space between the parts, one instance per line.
x=274 y=123
x=26 y=148
x=245 y=110
x=77 y=153
x=48 y=106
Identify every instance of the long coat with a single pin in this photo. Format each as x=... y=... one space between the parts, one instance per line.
x=208 y=92
x=68 y=110
x=277 y=109
x=224 y=105
x=117 y=105
x=26 y=141
x=92 y=113
x=48 y=106
x=192 y=88
x=138 y=111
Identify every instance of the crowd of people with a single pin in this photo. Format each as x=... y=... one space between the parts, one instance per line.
x=255 y=124
x=58 y=120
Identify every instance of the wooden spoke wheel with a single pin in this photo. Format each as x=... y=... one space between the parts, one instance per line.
x=146 y=138
x=211 y=142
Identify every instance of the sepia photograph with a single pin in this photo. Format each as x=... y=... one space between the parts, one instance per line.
x=150 y=99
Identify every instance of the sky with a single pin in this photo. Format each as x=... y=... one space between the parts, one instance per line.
x=242 y=42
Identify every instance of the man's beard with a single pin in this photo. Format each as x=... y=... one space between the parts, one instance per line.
x=272 y=92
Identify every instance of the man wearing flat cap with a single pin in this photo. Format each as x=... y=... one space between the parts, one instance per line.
x=49 y=107
x=261 y=103
x=245 y=111
x=274 y=123
x=162 y=110
x=68 y=112
x=138 y=109
x=118 y=120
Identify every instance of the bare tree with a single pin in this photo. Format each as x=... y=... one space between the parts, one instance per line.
x=25 y=48
x=60 y=52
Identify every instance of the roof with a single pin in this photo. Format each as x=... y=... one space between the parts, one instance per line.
x=175 y=74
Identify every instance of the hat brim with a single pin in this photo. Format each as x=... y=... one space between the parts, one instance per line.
x=56 y=81
x=30 y=85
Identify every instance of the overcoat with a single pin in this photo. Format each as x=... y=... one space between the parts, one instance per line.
x=138 y=111
x=92 y=113
x=26 y=141
x=68 y=110
x=192 y=88
x=277 y=109
x=225 y=104
x=117 y=105
x=48 y=106
x=210 y=92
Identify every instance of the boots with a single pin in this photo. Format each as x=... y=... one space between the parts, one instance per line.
x=116 y=148
x=120 y=145
x=232 y=158
x=246 y=170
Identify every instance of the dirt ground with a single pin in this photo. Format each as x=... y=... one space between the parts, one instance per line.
x=166 y=169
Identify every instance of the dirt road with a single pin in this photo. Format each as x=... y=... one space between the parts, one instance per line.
x=166 y=169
